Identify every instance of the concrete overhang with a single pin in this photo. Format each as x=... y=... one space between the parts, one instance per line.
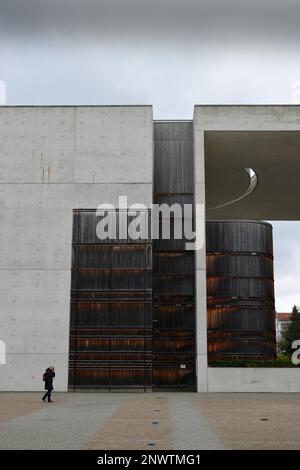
x=268 y=142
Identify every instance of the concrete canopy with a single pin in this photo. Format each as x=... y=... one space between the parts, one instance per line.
x=274 y=155
x=275 y=158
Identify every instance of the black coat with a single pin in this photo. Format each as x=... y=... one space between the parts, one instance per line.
x=48 y=378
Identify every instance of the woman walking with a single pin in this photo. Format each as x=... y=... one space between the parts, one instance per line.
x=48 y=379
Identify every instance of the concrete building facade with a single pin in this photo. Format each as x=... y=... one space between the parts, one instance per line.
x=54 y=160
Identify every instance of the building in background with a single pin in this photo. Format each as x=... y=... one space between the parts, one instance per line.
x=283 y=319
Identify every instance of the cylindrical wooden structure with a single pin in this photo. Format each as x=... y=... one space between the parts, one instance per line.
x=240 y=290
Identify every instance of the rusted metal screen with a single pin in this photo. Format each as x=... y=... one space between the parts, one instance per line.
x=173 y=270
x=240 y=290
x=111 y=310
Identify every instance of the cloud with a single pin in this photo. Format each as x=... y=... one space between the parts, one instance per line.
x=172 y=80
x=233 y=22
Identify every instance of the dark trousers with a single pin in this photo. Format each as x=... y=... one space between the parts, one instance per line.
x=47 y=394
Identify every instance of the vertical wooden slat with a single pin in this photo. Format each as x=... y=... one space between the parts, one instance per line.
x=111 y=310
x=173 y=275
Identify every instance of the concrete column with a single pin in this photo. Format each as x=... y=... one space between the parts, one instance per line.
x=201 y=322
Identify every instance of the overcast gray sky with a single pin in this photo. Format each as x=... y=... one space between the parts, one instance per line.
x=168 y=53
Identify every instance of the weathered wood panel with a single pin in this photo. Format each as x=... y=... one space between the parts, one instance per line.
x=111 y=310
x=240 y=290
x=173 y=266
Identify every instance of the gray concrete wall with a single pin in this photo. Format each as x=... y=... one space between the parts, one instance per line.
x=247 y=118
x=256 y=379
x=53 y=160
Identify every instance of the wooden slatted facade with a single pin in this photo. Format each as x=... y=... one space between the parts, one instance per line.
x=123 y=335
x=240 y=290
x=174 y=345
x=111 y=310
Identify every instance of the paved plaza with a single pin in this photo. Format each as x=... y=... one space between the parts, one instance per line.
x=150 y=421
